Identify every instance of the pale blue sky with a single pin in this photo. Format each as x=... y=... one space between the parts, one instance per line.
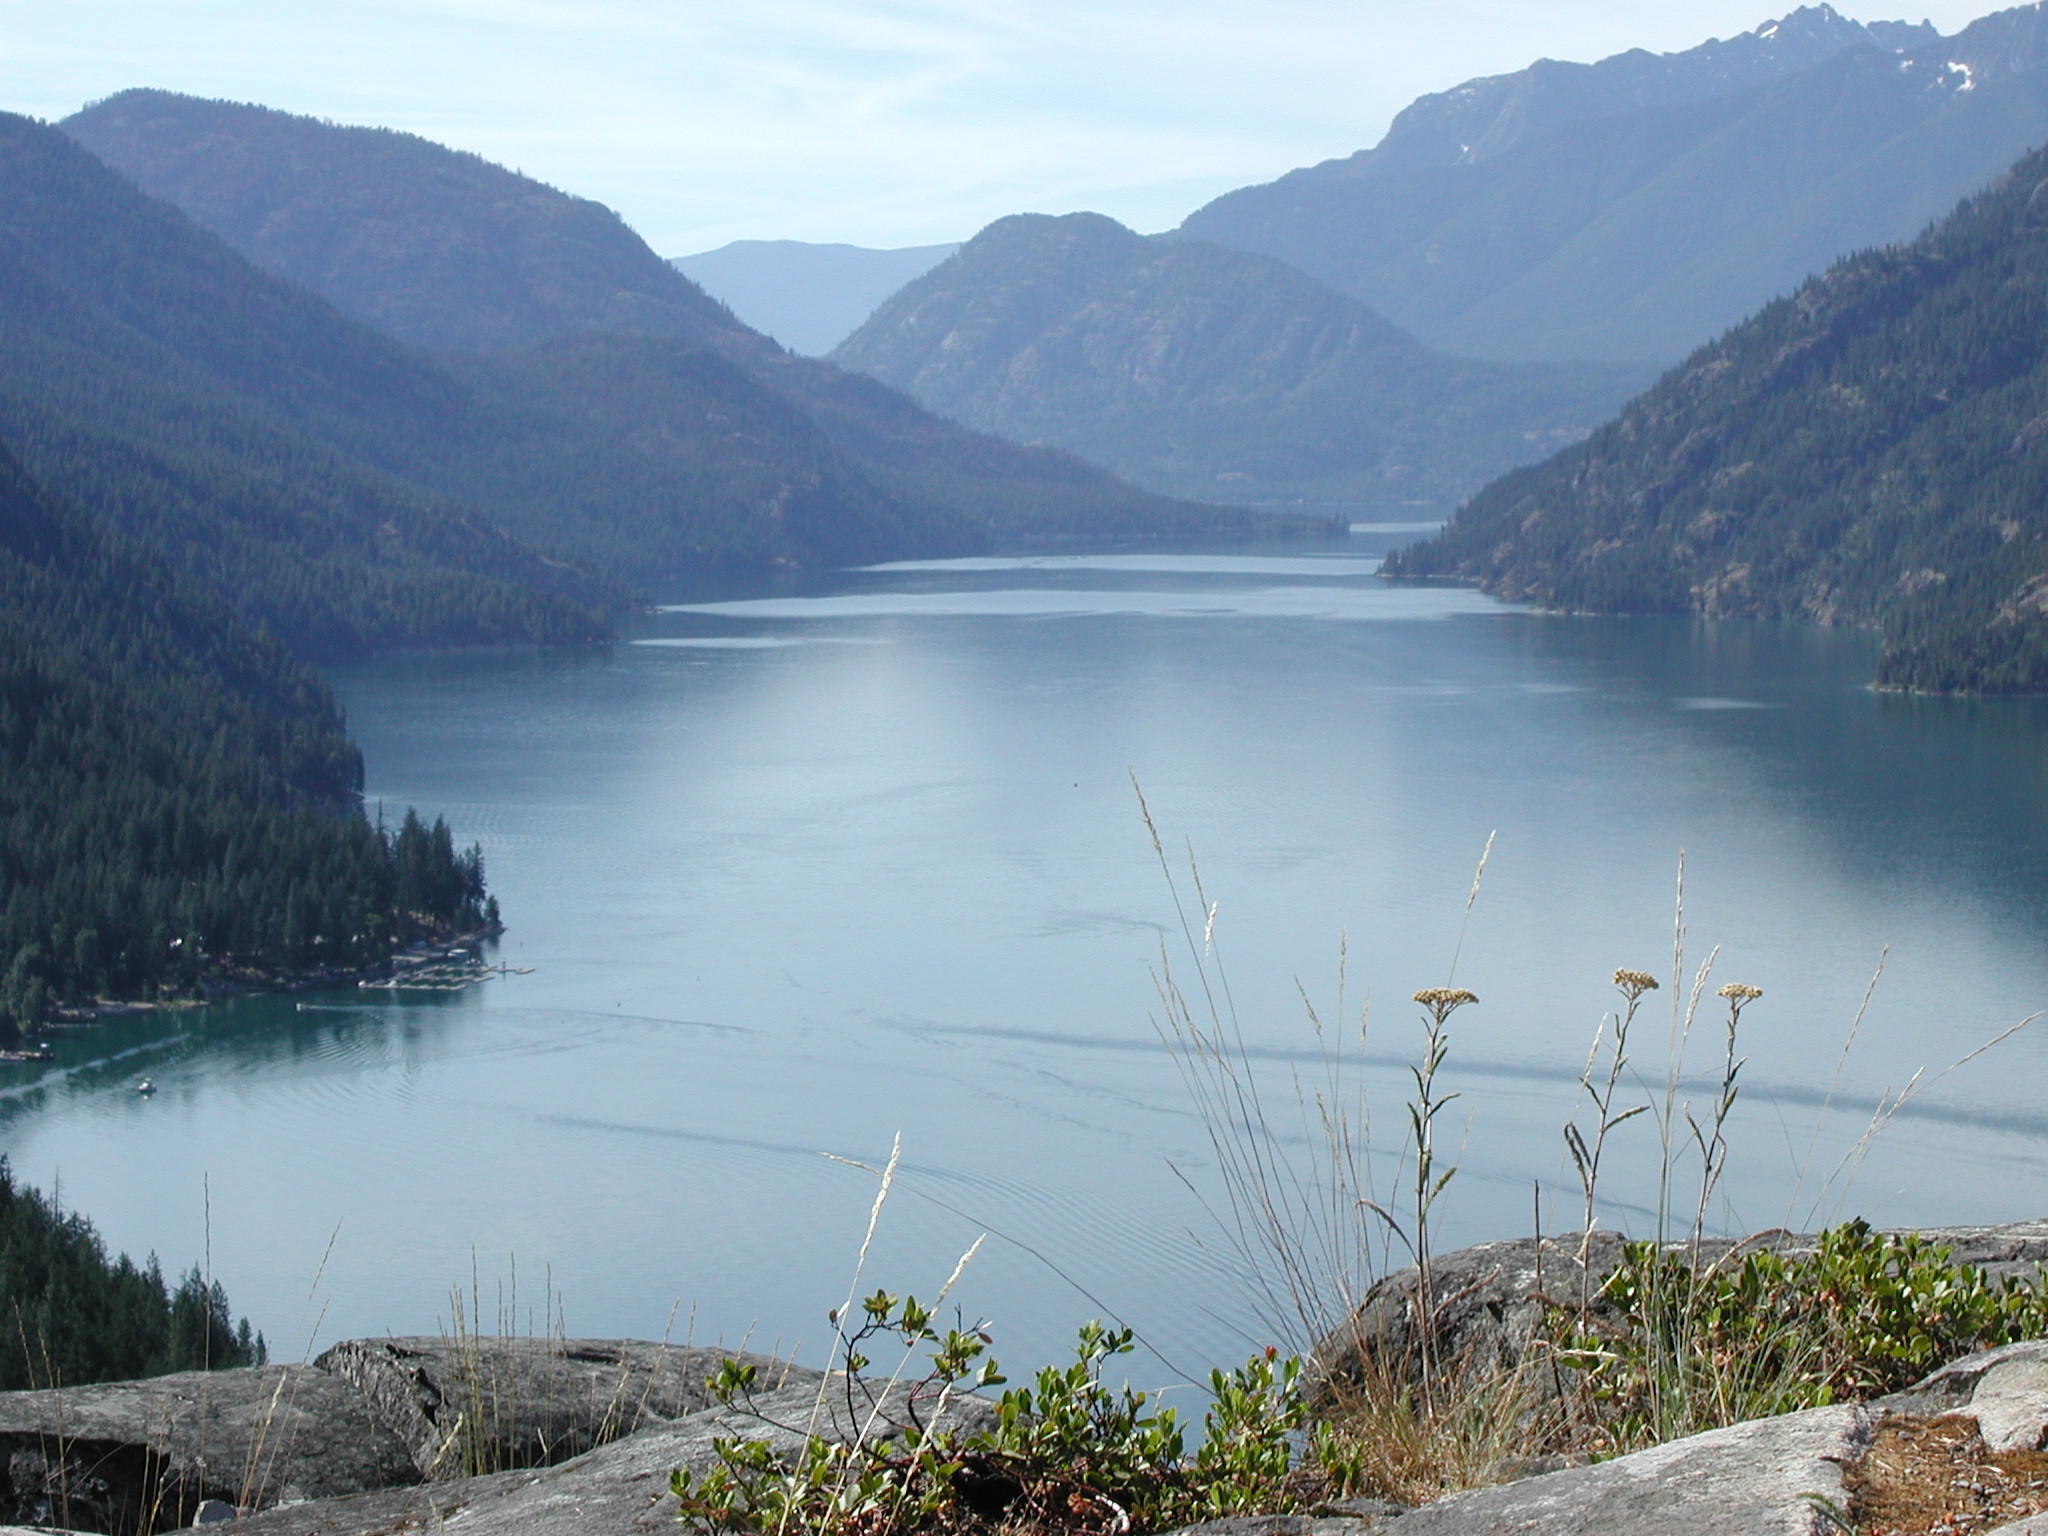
x=883 y=122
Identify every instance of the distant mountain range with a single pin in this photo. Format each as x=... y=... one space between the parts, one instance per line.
x=1206 y=372
x=808 y=297
x=444 y=251
x=1872 y=450
x=1587 y=223
x=1632 y=209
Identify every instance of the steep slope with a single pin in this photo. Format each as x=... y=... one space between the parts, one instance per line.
x=1199 y=371
x=443 y=250
x=150 y=374
x=1633 y=208
x=177 y=799
x=389 y=226
x=1873 y=450
x=807 y=296
x=353 y=493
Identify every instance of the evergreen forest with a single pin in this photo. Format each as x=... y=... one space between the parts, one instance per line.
x=1871 y=450
x=74 y=1315
x=178 y=800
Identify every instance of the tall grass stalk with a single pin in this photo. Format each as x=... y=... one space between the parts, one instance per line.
x=1643 y=1356
x=1600 y=1089
x=1438 y=1004
x=1296 y=1179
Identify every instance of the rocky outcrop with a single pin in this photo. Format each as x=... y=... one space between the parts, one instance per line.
x=142 y=1455
x=368 y=1417
x=1754 y=1479
x=617 y=1490
x=578 y=1437
x=461 y=1407
x=1769 y=1477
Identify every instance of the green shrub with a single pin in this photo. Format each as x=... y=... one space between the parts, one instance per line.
x=1687 y=1345
x=1066 y=1452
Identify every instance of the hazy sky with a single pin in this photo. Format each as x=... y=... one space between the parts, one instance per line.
x=883 y=122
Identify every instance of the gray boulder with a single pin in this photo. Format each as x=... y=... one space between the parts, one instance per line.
x=369 y=1416
x=1754 y=1479
x=1297 y=1525
x=143 y=1455
x=470 y=1406
x=618 y=1488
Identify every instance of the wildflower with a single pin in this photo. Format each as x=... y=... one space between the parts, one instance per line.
x=1634 y=984
x=1740 y=992
x=1445 y=997
x=1440 y=1001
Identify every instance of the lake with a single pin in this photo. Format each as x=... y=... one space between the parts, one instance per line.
x=795 y=872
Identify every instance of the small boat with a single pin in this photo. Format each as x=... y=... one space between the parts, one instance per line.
x=146 y=1088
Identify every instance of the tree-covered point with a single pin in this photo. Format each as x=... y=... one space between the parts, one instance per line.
x=1872 y=450
x=178 y=802
x=69 y=1314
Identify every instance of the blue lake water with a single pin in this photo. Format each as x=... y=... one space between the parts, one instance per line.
x=798 y=871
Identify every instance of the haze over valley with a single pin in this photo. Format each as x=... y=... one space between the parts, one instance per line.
x=564 y=735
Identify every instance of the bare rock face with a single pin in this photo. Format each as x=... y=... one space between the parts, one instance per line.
x=369 y=1416
x=616 y=1490
x=1754 y=1479
x=464 y=1407
x=141 y=1455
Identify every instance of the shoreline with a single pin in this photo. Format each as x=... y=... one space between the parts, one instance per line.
x=437 y=961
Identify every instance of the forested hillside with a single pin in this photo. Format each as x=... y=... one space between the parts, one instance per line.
x=443 y=250
x=353 y=494
x=177 y=797
x=76 y=1315
x=1872 y=450
x=1635 y=208
x=150 y=374
x=1199 y=371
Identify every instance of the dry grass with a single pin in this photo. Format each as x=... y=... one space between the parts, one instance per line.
x=1377 y=1436
x=1936 y=1477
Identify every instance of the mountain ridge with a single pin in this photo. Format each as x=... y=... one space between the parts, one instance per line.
x=1872 y=450
x=292 y=194
x=1638 y=233
x=151 y=376
x=1201 y=371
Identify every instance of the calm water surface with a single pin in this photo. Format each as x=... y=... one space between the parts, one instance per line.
x=796 y=873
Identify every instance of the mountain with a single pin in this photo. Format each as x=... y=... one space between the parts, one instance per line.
x=1634 y=208
x=443 y=250
x=177 y=798
x=808 y=297
x=351 y=493
x=151 y=375
x=1872 y=450
x=439 y=248
x=1204 y=372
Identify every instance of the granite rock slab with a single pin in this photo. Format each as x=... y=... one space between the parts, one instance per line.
x=621 y=1489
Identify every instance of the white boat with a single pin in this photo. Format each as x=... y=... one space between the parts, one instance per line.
x=145 y=1088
